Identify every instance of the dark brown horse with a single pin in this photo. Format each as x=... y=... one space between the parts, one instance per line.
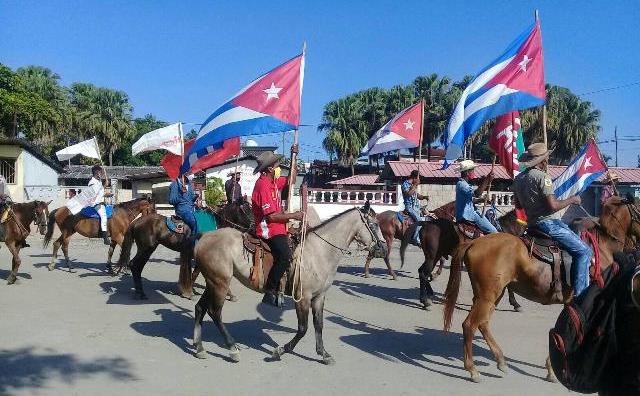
x=18 y=226
x=123 y=214
x=497 y=260
x=150 y=231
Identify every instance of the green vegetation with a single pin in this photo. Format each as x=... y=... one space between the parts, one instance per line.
x=214 y=193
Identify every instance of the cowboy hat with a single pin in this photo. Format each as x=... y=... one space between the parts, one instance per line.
x=535 y=154
x=467 y=165
x=265 y=160
x=611 y=176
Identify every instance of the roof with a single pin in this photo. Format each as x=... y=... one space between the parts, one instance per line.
x=115 y=172
x=360 y=180
x=434 y=170
x=25 y=145
x=255 y=151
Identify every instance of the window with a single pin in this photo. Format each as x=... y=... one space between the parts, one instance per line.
x=8 y=169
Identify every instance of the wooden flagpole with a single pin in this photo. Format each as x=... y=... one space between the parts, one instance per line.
x=493 y=164
x=421 y=133
x=543 y=112
x=294 y=156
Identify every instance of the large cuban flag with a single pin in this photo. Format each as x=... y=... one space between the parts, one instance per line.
x=402 y=131
x=270 y=104
x=583 y=170
x=514 y=81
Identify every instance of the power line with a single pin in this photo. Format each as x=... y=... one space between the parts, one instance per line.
x=610 y=88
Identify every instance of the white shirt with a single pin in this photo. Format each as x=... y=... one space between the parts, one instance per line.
x=98 y=188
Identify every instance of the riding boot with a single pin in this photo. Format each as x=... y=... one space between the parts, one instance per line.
x=105 y=237
x=272 y=298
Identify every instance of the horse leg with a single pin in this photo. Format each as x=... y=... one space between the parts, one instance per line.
x=217 y=298
x=366 y=265
x=424 y=286
x=484 y=315
x=551 y=377
x=512 y=300
x=15 y=263
x=137 y=265
x=201 y=310
x=435 y=275
x=302 y=311
x=65 y=251
x=469 y=327
x=112 y=247
x=317 y=308
x=386 y=258
x=54 y=256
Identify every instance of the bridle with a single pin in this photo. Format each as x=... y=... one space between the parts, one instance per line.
x=233 y=224
x=375 y=241
x=635 y=218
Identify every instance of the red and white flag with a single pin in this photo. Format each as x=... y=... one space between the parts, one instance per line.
x=403 y=131
x=507 y=142
x=171 y=162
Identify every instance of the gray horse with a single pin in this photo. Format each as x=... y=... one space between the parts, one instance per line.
x=220 y=256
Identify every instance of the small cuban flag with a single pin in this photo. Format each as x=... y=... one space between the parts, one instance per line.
x=586 y=168
x=402 y=131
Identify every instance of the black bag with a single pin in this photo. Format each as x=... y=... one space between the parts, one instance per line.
x=584 y=337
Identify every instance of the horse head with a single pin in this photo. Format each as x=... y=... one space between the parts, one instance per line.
x=369 y=234
x=41 y=214
x=238 y=214
x=147 y=205
x=621 y=219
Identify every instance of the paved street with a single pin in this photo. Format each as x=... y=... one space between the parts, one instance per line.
x=83 y=333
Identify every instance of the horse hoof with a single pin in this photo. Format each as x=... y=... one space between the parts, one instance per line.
x=475 y=377
x=518 y=309
x=366 y=275
x=11 y=279
x=187 y=296
x=503 y=367
x=72 y=270
x=394 y=276
x=202 y=354
x=277 y=353
x=234 y=355
x=328 y=360
x=551 y=378
x=233 y=298
x=51 y=267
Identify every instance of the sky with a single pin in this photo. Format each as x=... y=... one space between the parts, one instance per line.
x=180 y=60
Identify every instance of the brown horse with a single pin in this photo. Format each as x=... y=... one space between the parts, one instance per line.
x=123 y=214
x=150 y=231
x=18 y=226
x=497 y=260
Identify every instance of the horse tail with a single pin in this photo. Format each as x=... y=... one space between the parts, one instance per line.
x=51 y=222
x=404 y=243
x=453 y=286
x=125 y=248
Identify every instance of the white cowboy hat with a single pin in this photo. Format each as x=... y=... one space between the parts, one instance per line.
x=467 y=165
x=611 y=176
x=535 y=154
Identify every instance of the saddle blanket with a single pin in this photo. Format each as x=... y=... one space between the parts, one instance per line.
x=91 y=213
x=206 y=221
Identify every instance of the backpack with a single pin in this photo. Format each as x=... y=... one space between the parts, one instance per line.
x=583 y=339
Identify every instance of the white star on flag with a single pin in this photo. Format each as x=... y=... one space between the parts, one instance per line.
x=587 y=162
x=409 y=124
x=272 y=92
x=524 y=62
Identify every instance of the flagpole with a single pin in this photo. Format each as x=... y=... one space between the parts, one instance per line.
x=543 y=113
x=493 y=164
x=294 y=155
x=421 y=131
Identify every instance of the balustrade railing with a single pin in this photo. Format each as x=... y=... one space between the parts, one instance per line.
x=334 y=196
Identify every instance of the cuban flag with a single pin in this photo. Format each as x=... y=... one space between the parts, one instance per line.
x=402 y=131
x=270 y=104
x=514 y=81
x=583 y=170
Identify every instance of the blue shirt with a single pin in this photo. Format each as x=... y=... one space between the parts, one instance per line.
x=464 y=200
x=182 y=201
x=410 y=200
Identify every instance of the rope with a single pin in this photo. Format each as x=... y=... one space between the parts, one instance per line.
x=297 y=263
x=597 y=268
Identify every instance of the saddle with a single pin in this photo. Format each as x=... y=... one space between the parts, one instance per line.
x=91 y=213
x=545 y=249
x=175 y=224
x=469 y=229
x=262 y=260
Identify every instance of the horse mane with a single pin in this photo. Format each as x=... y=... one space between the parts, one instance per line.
x=330 y=219
x=131 y=204
x=607 y=219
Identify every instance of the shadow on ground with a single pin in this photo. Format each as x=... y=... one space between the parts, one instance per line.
x=28 y=368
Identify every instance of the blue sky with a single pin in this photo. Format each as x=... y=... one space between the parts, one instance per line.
x=181 y=59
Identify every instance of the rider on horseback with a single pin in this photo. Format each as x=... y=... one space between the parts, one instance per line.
x=183 y=198
x=412 y=201
x=271 y=222
x=533 y=190
x=467 y=196
x=98 y=203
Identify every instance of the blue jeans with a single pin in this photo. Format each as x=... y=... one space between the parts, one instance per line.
x=415 y=215
x=482 y=222
x=190 y=218
x=579 y=250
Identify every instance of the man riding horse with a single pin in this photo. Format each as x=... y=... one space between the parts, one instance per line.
x=183 y=198
x=271 y=221
x=412 y=201
x=467 y=196
x=533 y=190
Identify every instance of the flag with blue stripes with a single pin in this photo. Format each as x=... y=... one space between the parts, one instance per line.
x=586 y=168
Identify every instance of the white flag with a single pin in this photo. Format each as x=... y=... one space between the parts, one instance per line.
x=168 y=138
x=88 y=148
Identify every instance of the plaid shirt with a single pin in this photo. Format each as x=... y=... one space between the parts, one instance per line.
x=410 y=200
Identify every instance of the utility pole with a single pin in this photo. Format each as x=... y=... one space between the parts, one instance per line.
x=615 y=136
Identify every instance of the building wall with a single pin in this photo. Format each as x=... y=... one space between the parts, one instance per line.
x=439 y=194
x=247 y=178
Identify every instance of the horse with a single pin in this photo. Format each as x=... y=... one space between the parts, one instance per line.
x=150 y=231
x=439 y=239
x=18 y=226
x=220 y=256
x=497 y=260
x=391 y=228
x=123 y=214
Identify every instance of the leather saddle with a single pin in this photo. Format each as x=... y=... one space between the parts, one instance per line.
x=469 y=229
x=262 y=260
x=545 y=249
x=175 y=224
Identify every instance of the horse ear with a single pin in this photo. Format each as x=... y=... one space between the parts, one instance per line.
x=49 y=203
x=367 y=207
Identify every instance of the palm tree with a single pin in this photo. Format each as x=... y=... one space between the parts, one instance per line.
x=438 y=95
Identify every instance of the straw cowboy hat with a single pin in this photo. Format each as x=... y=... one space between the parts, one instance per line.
x=265 y=160
x=467 y=165
x=611 y=176
x=535 y=154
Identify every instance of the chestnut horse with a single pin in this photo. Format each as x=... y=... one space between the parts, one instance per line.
x=497 y=260
x=123 y=214
x=18 y=226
